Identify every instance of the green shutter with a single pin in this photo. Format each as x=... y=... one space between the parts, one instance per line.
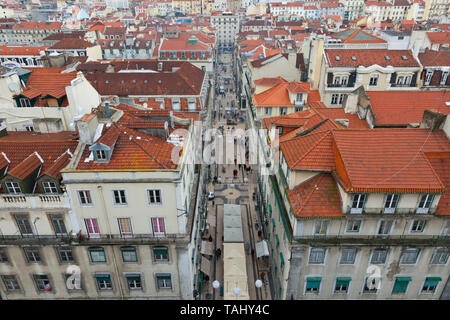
x=133 y=277
x=102 y=278
x=270 y=210
x=313 y=283
x=401 y=284
x=273 y=222
x=281 y=258
x=277 y=240
x=160 y=251
x=343 y=281
x=164 y=277
x=403 y=278
x=432 y=281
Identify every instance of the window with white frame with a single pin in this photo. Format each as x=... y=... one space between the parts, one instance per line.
x=97 y=254
x=384 y=227
x=3 y=255
x=418 y=226
x=32 y=254
x=425 y=203
x=391 y=203
x=129 y=254
x=373 y=80
x=428 y=77
x=409 y=256
x=430 y=284
x=42 y=282
x=370 y=285
x=267 y=111
x=13 y=187
x=379 y=256
x=313 y=284
x=407 y=80
x=399 y=80
x=320 y=227
x=58 y=224
x=158 y=227
x=85 y=197
x=65 y=254
x=344 y=80
x=154 y=196
x=125 y=227
x=337 y=80
x=334 y=98
x=446 y=228
x=353 y=226
x=103 y=281
x=317 y=255
x=49 y=187
x=160 y=254
x=134 y=281
x=283 y=110
x=164 y=280
x=440 y=256
x=348 y=256
x=92 y=227
x=119 y=197
x=358 y=201
x=444 y=78
x=341 y=98
x=342 y=284
x=23 y=223
x=101 y=154
x=25 y=103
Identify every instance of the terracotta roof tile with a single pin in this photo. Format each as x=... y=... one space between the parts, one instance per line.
x=441 y=164
x=316 y=198
x=435 y=58
x=27 y=166
x=71 y=43
x=439 y=37
x=54 y=170
x=370 y=57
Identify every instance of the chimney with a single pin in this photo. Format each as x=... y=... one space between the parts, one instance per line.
x=171 y=119
x=87 y=126
x=292 y=59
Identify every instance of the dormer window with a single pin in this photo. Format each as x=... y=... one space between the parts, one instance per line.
x=13 y=187
x=49 y=187
x=101 y=155
x=176 y=103
x=24 y=103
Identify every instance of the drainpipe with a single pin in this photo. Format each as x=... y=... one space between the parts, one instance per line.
x=100 y=190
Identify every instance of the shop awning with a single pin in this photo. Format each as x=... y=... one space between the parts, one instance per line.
x=207 y=248
x=262 y=249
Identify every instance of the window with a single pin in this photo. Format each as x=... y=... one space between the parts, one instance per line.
x=425 y=203
x=399 y=80
x=379 y=256
x=337 y=80
x=193 y=55
x=164 y=281
x=342 y=284
x=101 y=154
x=134 y=281
x=119 y=197
x=313 y=285
x=97 y=254
x=58 y=224
x=358 y=201
x=125 y=227
x=348 y=256
x=267 y=111
x=158 y=227
x=49 y=187
x=92 y=227
x=65 y=254
x=430 y=284
x=429 y=74
x=24 y=103
x=373 y=80
x=401 y=284
x=160 y=254
x=13 y=187
x=154 y=196
x=391 y=203
x=384 y=227
x=85 y=197
x=129 y=254
x=353 y=225
x=334 y=98
x=10 y=283
x=3 y=255
x=417 y=226
x=407 y=80
x=23 y=223
x=299 y=98
x=344 y=80
x=409 y=256
x=183 y=55
x=444 y=78
x=42 y=282
x=163 y=55
x=341 y=98
x=440 y=256
x=317 y=255
x=320 y=227
x=283 y=111
x=373 y=285
x=103 y=281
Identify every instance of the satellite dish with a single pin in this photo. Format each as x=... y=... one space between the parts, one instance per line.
x=13 y=87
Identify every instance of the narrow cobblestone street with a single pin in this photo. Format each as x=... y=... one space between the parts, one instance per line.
x=233 y=189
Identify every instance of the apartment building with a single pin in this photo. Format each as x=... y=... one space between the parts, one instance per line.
x=28 y=32
x=353 y=9
x=45 y=100
x=348 y=205
x=129 y=212
x=193 y=7
x=387 y=10
x=436 y=68
x=377 y=69
x=21 y=56
x=76 y=47
x=227 y=26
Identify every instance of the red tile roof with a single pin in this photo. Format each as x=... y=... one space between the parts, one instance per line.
x=316 y=198
x=279 y=94
x=27 y=166
x=269 y=82
x=21 y=50
x=54 y=170
x=72 y=43
x=32 y=25
x=441 y=164
x=435 y=58
x=439 y=37
x=370 y=57
x=388 y=160
x=404 y=107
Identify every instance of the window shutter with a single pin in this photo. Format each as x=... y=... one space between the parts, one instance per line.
x=432 y=281
x=313 y=283
x=95 y=225
x=160 y=251
x=352 y=79
x=89 y=225
x=155 y=225
x=393 y=78
x=436 y=78
x=330 y=78
x=422 y=75
x=161 y=225
x=343 y=281
x=414 y=79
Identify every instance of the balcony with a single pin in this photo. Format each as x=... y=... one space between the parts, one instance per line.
x=34 y=201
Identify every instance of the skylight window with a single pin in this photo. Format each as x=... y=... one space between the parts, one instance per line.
x=337 y=58
x=404 y=58
x=387 y=57
x=353 y=58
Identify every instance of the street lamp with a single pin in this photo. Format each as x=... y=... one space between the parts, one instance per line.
x=34 y=222
x=258 y=283
x=216 y=284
